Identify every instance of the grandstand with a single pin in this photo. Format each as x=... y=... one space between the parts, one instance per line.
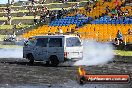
x=23 y=13
x=99 y=20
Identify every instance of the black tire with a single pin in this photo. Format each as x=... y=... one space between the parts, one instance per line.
x=47 y=63
x=54 y=61
x=30 y=58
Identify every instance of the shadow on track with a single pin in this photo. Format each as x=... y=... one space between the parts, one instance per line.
x=28 y=64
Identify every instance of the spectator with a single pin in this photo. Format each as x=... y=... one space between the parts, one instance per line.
x=59 y=14
x=87 y=8
x=77 y=7
x=116 y=42
x=114 y=13
x=124 y=3
x=119 y=36
x=47 y=18
x=65 y=1
x=103 y=1
x=59 y=31
x=35 y=18
x=72 y=30
x=44 y=9
x=42 y=1
x=129 y=31
x=42 y=18
x=14 y=27
x=94 y=5
x=126 y=12
x=118 y=8
x=78 y=34
x=8 y=10
x=116 y=2
x=52 y=16
x=107 y=9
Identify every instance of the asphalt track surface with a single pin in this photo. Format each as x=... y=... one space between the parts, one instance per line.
x=18 y=73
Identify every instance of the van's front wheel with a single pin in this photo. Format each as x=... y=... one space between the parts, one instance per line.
x=30 y=58
x=54 y=61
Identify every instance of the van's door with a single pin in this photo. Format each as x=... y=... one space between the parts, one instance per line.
x=40 y=50
x=56 y=47
x=29 y=46
x=74 y=48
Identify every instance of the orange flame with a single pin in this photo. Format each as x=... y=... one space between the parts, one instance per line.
x=82 y=72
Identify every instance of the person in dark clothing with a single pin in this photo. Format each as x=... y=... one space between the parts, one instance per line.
x=59 y=14
x=35 y=18
x=107 y=9
x=52 y=16
x=116 y=42
x=119 y=38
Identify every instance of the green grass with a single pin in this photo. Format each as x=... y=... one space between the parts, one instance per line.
x=3 y=7
x=10 y=46
x=15 y=18
x=25 y=17
x=3 y=18
x=2 y=37
x=6 y=26
x=11 y=26
x=123 y=53
x=17 y=11
x=49 y=4
x=59 y=8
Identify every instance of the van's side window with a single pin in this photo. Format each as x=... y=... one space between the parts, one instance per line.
x=55 y=42
x=42 y=42
x=73 y=42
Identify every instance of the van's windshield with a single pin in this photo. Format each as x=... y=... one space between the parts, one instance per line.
x=73 y=42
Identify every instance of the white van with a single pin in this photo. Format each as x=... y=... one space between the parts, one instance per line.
x=53 y=49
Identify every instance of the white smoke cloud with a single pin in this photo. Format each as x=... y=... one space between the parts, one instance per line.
x=95 y=53
x=11 y=53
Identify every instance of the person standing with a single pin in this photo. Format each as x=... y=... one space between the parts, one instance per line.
x=119 y=36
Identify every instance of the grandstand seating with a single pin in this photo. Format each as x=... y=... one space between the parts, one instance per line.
x=46 y=29
x=98 y=10
x=78 y=19
x=129 y=8
x=103 y=32
x=109 y=20
x=104 y=28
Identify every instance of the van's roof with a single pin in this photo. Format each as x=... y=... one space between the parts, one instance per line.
x=39 y=36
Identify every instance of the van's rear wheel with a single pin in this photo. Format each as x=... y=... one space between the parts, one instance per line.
x=30 y=58
x=54 y=61
x=47 y=62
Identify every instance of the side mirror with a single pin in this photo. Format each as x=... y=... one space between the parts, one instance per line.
x=25 y=43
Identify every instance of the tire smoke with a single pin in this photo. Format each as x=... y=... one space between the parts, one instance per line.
x=95 y=53
x=11 y=53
